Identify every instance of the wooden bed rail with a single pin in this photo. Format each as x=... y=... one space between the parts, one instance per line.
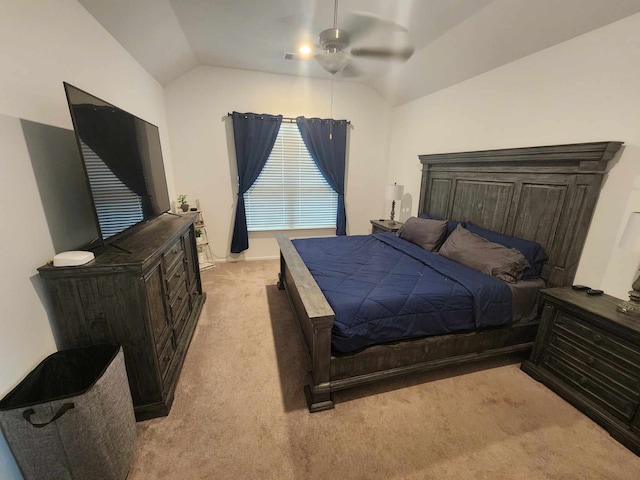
x=315 y=319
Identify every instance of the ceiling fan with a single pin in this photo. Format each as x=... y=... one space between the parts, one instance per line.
x=341 y=45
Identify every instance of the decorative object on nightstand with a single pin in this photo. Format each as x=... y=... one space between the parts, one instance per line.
x=381 y=226
x=394 y=192
x=589 y=354
x=631 y=241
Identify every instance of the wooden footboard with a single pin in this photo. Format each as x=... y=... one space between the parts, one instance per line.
x=314 y=317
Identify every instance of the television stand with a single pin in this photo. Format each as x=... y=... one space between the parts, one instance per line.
x=147 y=301
x=115 y=245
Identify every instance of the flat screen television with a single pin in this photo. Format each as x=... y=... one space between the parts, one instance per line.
x=122 y=161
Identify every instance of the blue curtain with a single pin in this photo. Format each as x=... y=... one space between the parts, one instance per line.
x=254 y=137
x=326 y=140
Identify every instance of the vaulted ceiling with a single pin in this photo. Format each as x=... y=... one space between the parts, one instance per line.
x=454 y=39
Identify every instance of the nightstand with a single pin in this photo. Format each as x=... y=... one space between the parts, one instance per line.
x=381 y=226
x=589 y=354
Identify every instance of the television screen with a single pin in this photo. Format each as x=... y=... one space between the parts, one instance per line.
x=123 y=163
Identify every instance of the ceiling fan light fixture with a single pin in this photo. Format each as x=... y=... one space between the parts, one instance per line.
x=333 y=62
x=335 y=43
x=305 y=50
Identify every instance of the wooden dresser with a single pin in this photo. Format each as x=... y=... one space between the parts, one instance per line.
x=589 y=354
x=145 y=295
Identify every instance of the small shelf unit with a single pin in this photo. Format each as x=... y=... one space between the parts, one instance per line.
x=205 y=257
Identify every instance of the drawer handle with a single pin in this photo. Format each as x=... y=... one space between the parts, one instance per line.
x=167 y=357
x=180 y=297
x=583 y=380
x=597 y=339
x=591 y=360
x=175 y=250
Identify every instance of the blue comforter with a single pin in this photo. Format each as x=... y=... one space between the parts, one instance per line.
x=383 y=288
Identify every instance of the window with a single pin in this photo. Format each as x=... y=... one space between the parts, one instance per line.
x=290 y=192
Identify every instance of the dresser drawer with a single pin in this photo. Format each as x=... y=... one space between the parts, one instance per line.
x=172 y=255
x=176 y=279
x=178 y=302
x=193 y=294
x=165 y=357
x=181 y=321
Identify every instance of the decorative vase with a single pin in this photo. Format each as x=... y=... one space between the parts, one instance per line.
x=184 y=207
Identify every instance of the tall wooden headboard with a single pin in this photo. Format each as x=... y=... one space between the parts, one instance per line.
x=546 y=194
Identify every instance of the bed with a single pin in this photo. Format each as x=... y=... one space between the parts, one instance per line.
x=543 y=194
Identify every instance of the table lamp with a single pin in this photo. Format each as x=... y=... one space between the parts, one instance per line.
x=631 y=241
x=394 y=192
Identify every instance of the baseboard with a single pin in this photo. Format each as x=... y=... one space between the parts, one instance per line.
x=238 y=260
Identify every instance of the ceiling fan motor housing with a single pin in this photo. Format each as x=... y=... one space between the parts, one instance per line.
x=333 y=40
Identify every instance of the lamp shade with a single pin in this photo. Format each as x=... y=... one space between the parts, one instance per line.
x=394 y=192
x=631 y=237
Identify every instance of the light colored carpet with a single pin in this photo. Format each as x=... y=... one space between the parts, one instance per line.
x=239 y=411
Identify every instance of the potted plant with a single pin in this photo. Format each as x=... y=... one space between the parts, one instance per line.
x=198 y=232
x=183 y=203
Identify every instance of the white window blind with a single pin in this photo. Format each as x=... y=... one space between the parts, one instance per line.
x=290 y=192
x=117 y=206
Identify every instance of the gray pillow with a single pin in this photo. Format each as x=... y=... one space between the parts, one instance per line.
x=478 y=253
x=424 y=232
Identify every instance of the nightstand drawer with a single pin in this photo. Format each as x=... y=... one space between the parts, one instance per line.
x=583 y=381
x=608 y=372
x=619 y=352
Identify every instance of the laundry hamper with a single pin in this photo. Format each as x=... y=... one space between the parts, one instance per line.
x=72 y=417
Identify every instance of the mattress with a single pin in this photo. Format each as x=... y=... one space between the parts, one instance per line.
x=384 y=289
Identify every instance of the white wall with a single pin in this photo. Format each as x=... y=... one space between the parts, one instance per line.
x=42 y=44
x=197 y=107
x=586 y=89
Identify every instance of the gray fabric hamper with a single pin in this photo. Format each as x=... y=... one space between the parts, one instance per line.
x=72 y=417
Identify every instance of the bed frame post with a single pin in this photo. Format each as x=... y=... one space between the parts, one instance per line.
x=314 y=317
x=319 y=394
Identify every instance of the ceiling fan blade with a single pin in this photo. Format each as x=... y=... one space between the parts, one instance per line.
x=383 y=53
x=361 y=24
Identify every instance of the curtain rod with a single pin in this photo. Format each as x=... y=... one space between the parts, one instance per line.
x=293 y=120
